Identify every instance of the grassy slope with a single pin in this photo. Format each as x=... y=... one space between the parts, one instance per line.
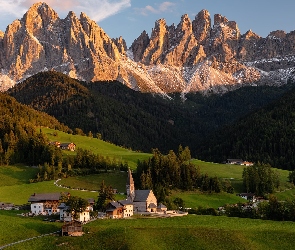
x=98 y=146
x=189 y=232
x=92 y=182
x=234 y=173
x=19 y=194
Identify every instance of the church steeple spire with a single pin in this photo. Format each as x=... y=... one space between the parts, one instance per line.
x=130 y=186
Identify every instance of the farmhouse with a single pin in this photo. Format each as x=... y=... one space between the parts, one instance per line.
x=73 y=228
x=46 y=203
x=238 y=162
x=68 y=146
x=67 y=216
x=248 y=196
x=119 y=209
x=234 y=161
x=143 y=200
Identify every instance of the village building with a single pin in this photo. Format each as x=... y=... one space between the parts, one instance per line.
x=73 y=228
x=68 y=146
x=45 y=204
x=239 y=162
x=143 y=200
x=6 y=206
x=119 y=209
x=234 y=161
x=67 y=216
x=114 y=210
x=161 y=208
x=248 y=196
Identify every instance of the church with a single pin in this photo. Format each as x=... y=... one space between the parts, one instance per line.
x=143 y=200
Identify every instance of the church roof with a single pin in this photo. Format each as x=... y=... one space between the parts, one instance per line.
x=129 y=178
x=142 y=195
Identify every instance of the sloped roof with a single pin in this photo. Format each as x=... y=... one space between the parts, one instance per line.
x=152 y=205
x=161 y=205
x=91 y=200
x=113 y=205
x=45 y=197
x=126 y=202
x=63 y=206
x=142 y=195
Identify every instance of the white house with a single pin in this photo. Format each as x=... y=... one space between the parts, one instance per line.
x=37 y=208
x=67 y=216
x=46 y=203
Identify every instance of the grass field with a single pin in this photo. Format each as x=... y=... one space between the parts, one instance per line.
x=97 y=146
x=116 y=180
x=189 y=232
x=215 y=200
x=15 y=175
x=14 y=227
x=234 y=173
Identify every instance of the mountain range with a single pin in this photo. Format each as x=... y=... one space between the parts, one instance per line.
x=198 y=55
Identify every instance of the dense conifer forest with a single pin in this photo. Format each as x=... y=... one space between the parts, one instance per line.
x=140 y=121
x=238 y=124
x=19 y=139
x=267 y=136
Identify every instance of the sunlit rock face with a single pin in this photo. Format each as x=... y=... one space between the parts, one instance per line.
x=194 y=55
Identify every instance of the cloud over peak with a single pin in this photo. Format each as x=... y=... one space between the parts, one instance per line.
x=95 y=9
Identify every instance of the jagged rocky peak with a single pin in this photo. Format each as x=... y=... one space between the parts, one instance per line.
x=278 y=34
x=250 y=35
x=202 y=26
x=121 y=44
x=1 y=34
x=219 y=19
x=185 y=24
x=40 y=15
x=139 y=46
x=160 y=28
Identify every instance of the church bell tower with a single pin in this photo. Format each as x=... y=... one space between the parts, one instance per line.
x=130 y=186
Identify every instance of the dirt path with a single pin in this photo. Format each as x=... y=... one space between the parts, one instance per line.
x=20 y=241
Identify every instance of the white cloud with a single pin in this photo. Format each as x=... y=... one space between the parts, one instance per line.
x=95 y=9
x=163 y=7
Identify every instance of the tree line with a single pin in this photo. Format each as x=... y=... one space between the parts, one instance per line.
x=83 y=163
x=162 y=173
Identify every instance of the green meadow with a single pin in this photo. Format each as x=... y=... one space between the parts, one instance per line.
x=116 y=180
x=97 y=146
x=188 y=232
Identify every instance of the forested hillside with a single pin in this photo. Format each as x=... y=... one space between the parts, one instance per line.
x=19 y=139
x=138 y=120
x=267 y=136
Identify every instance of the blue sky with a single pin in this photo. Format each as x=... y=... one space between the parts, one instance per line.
x=128 y=18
